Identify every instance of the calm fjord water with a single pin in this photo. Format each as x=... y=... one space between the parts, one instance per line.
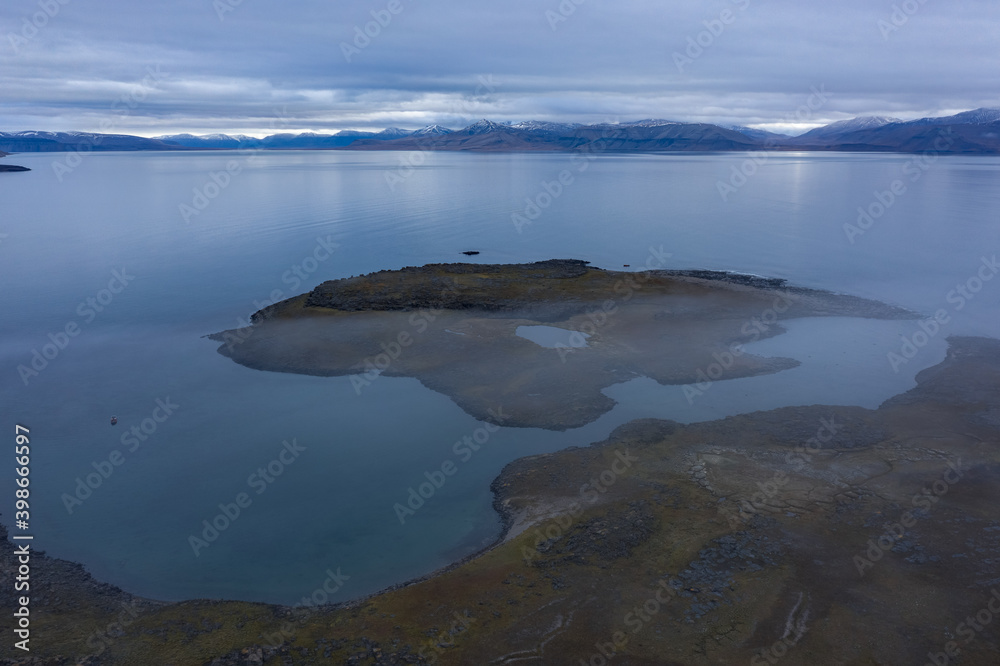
x=332 y=505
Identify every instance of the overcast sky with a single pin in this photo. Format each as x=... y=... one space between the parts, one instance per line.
x=262 y=66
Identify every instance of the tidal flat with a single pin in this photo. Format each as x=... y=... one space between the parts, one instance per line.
x=454 y=328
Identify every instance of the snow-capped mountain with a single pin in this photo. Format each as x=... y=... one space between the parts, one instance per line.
x=851 y=125
x=543 y=126
x=210 y=140
x=209 y=137
x=67 y=136
x=981 y=116
x=432 y=130
x=393 y=133
x=39 y=141
x=652 y=122
x=864 y=122
x=486 y=127
x=182 y=137
x=843 y=128
x=33 y=134
x=969 y=132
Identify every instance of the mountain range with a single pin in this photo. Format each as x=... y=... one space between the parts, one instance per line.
x=970 y=132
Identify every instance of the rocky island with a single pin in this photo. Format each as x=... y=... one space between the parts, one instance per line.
x=454 y=327
x=11 y=167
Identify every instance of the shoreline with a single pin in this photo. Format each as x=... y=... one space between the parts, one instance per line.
x=506 y=515
x=965 y=378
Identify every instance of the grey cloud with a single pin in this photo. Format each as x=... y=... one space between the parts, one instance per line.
x=606 y=59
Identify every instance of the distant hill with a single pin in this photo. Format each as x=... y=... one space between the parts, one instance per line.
x=843 y=127
x=285 y=141
x=43 y=142
x=393 y=133
x=432 y=130
x=975 y=117
x=208 y=141
x=970 y=132
x=641 y=136
x=757 y=134
x=541 y=126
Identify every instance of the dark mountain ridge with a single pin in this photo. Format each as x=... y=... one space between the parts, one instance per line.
x=974 y=132
x=970 y=132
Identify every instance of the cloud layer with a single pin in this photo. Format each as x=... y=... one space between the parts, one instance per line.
x=257 y=67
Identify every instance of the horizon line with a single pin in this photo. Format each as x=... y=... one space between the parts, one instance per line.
x=253 y=134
